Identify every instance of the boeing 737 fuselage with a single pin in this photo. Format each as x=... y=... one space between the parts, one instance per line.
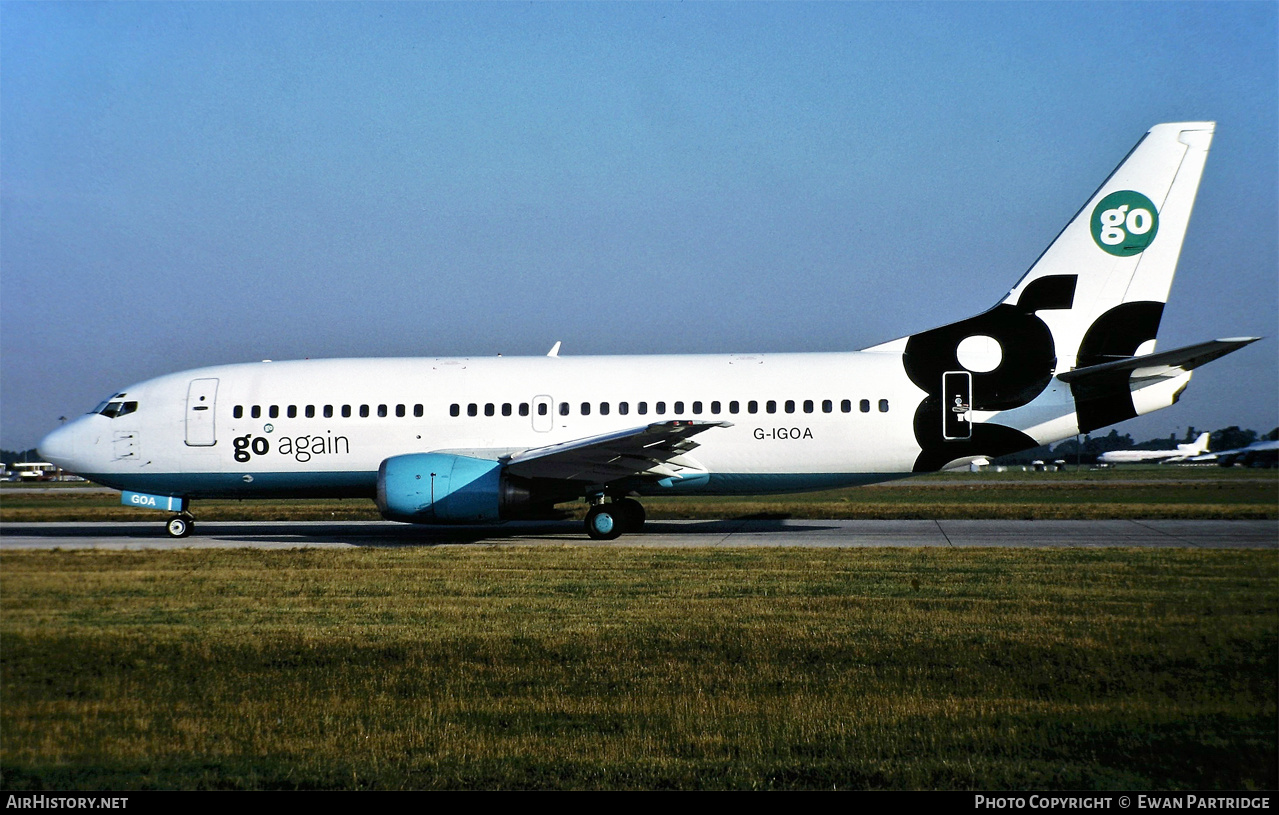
x=470 y=440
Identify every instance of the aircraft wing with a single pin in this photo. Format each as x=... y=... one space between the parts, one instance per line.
x=1160 y=365
x=649 y=450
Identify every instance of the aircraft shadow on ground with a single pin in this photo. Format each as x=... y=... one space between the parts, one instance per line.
x=569 y=532
x=380 y=534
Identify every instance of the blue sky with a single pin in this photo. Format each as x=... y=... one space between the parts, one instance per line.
x=184 y=184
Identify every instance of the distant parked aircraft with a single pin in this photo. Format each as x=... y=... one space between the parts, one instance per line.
x=1183 y=452
x=1260 y=454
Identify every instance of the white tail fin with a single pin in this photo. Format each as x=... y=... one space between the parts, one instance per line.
x=1119 y=253
x=1095 y=296
x=1198 y=447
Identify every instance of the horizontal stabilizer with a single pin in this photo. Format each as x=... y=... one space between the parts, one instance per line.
x=1162 y=364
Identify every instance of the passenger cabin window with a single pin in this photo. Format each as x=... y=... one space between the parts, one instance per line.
x=771 y=406
x=310 y=411
x=293 y=411
x=328 y=411
x=563 y=408
x=660 y=409
x=489 y=410
x=586 y=408
x=623 y=408
x=733 y=407
x=827 y=406
x=883 y=405
x=642 y=408
x=256 y=411
x=697 y=407
x=364 y=411
x=752 y=406
x=506 y=408
x=865 y=406
x=790 y=405
x=455 y=410
x=603 y=408
x=679 y=408
x=419 y=411
x=715 y=407
x=273 y=411
x=346 y=411
x=472 y=409
x=846 y=406
x=808 y=406
x=236 y=413
x=524 y=409
x=400 y=411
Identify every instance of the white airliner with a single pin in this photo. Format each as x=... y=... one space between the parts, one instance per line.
x=1183 y=452
x=1070 y=349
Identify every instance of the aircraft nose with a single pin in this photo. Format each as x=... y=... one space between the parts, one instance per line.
x=59 y=446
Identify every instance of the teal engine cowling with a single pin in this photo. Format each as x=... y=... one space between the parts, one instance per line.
x=441 y=488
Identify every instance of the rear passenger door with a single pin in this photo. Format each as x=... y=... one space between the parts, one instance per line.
x=957 y=405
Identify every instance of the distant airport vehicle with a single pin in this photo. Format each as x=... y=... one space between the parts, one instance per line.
x=1258 y=454
x=467 y=440
x=32 y=470
x=1183 y=452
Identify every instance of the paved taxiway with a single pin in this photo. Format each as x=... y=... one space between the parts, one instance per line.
x=722 y=533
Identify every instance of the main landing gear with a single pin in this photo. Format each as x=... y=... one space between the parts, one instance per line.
x=607 y=521
x=179 y=526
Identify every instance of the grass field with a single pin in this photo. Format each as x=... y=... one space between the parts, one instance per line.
x=1121 y=493
x=495 y=667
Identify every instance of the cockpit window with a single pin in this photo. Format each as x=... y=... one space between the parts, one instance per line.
x=106 y=403
x=114 y=409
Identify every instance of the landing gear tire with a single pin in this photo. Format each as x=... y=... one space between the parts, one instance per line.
x=631 y=514
x=603 y=522
x=179 y=526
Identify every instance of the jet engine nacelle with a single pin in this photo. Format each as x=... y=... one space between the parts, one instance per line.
x=440 y=488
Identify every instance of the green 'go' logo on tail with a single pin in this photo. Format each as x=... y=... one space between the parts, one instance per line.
x=1124 y=223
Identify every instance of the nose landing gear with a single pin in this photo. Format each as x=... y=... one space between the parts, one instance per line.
x=179 y=526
